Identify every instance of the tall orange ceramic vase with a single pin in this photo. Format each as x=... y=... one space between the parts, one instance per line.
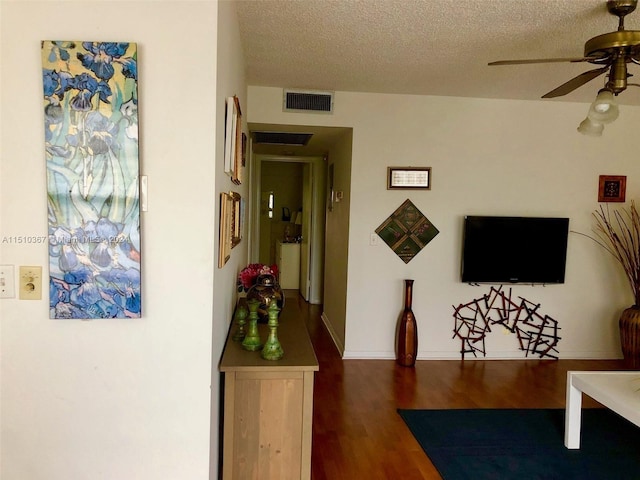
x=407 y=331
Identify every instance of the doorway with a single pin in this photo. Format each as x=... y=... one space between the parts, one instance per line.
x=289 y=195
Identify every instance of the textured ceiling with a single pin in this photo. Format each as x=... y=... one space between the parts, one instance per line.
x=425 y=47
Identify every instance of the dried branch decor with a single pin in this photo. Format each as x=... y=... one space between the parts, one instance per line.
x=619 y=234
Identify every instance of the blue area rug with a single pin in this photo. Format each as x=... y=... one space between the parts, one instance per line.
x=525 y=444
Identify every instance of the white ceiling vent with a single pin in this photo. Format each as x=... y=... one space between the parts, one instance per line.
x=308 y=101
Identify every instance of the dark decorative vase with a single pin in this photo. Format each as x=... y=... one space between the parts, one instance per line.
x=407 y=332
x=630 y=335
x=266 y=290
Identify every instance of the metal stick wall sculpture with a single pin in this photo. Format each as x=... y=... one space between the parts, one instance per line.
x=537 y=334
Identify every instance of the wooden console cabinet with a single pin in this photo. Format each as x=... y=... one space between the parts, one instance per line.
x=268 y=405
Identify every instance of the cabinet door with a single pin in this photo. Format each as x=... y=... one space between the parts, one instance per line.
x=268 y=416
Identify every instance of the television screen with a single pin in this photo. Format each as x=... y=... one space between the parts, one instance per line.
x=514 y=249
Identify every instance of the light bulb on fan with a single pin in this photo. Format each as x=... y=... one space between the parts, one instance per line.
x=604 y=109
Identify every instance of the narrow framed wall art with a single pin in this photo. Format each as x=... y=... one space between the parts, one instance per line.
x=91 y=148
x=234 y=144
x=226 y=229
x=236 y=219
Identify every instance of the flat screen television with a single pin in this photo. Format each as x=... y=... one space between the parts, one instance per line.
x=514 y=249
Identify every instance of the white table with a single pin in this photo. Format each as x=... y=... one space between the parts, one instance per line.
x=619 y=391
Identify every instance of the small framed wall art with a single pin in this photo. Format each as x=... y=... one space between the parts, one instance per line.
x=409 y=178
x=234 y=149
x=226 y=229
x=612 y=188
x=236 y=219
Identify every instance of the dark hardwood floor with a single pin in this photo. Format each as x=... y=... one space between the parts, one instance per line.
x=357 y=432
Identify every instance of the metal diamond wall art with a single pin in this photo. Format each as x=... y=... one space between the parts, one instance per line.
x=407 y=231
x=91 y=147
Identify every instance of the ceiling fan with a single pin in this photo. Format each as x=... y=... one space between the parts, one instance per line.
x=611 y=50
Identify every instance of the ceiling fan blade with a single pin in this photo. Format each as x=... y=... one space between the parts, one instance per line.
x=575 y=82
x=544 y=60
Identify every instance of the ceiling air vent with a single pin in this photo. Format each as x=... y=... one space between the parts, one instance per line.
x=308 y=101
x=281 y=138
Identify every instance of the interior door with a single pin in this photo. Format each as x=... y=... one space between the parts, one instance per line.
x=305 y=246
x=266 y=218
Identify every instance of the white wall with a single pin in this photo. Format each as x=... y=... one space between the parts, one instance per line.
x=337 y=243
x=489 y=157
x=230 y=81
x=131 y=399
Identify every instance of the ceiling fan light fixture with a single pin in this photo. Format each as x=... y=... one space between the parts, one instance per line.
x=604 y=101
x=611 y=51
x=590 y=128
x=605 y=108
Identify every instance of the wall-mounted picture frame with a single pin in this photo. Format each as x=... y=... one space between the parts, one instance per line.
x=612 y=188
x=92 y=177
x=233 y=140
x=237 y=159
x=231 y=120
x=236 y=219
x=413 y=178
x=226 y=229
x=407 y=231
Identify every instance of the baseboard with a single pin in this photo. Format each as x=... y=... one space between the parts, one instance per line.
x=368 y=356
x=591 y=356
x=333 y=334
x=513 y=355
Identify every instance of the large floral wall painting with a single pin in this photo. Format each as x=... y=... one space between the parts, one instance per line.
x=91 y=147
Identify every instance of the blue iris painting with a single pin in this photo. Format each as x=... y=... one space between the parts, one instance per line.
x=91 y=145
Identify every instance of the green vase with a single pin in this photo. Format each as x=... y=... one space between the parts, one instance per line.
x=240 y=319
x=272 y=349
x=252 y=340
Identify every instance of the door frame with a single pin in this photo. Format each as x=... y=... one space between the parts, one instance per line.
x=315 y=257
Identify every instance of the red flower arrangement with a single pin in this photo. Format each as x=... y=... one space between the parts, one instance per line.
x=247 y=276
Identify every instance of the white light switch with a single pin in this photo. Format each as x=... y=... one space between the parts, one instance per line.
x=7 y=281
x=144 y=193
